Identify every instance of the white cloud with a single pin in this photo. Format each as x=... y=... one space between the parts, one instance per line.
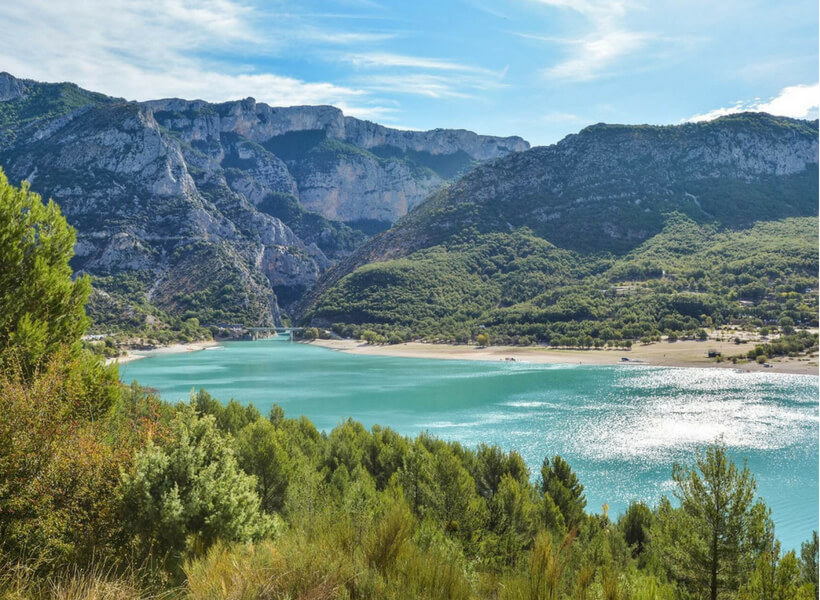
x=192 y=49
x=219 y=17
x=593 y=56
x=161 y=48
x=383 y=59
x=796 y=101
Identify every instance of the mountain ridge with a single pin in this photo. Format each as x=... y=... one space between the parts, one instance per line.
x=189 y=203
x=598 y=194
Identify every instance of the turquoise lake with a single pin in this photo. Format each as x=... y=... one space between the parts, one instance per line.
x=620 y=427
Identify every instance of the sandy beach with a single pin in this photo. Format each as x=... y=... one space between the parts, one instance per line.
x=685 y=354
x=661 y=354
x=132 y=355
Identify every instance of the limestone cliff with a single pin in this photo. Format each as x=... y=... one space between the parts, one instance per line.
x=230 y=211
x=609 y=188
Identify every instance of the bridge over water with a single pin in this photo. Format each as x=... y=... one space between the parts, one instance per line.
x=256 y=331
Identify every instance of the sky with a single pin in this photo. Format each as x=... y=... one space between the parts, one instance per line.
x=540 y=69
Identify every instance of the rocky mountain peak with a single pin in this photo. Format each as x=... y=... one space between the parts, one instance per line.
x=229 y=211
x=608 y=188
x=11 y=88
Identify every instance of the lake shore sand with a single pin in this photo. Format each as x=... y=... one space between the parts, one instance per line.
x=687 y=354
x=132 y=355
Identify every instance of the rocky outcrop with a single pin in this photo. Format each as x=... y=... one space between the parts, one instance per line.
x=437 y=142
x=11 y=88
x=608 y=186
x=611 y=187
x=357 y=187
x=198 y=202
x=326 y=160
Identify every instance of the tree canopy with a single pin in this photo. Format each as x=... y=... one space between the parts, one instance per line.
x=720 y=528
x=41 y=304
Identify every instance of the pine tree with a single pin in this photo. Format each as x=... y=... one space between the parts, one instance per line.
x=41 y=307
x=190 y=492
x=560 y=483
x=712 y=540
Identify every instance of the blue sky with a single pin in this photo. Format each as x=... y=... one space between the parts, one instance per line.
x=536 y=68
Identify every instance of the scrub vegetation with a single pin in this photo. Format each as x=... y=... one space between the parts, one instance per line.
x=108 y=492
x=521 y=289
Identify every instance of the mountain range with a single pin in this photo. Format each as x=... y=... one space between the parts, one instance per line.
x=228 y=212
x=615 y=227
x=239 y=212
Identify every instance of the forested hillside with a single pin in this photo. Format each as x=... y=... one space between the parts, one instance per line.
x=522 y=289
x=618 y=233
x=224 y=213
x=108 y=492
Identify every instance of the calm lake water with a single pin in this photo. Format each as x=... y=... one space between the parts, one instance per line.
x=620 y=427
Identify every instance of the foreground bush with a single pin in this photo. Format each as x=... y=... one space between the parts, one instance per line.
x=185 y=495
x=107 y=492
x=58 y=475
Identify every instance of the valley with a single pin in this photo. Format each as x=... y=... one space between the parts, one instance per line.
x=263 y=352
x=192 y=215
x=219 y=212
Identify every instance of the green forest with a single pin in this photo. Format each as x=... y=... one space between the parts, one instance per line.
x=518 y=288
x=610 y=236
x=106 y=491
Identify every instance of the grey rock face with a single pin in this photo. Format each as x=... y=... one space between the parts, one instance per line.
x=188 y=195
x=610 y=187
x=11 y=88
x=358 y=187
x=437 y=141
x=338 y=182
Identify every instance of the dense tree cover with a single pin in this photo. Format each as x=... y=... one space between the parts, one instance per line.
x=108 y=492
x=520 y=289
x=41 y=307
x=222 y=502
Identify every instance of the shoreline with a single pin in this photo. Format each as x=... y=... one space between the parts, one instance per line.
x=132 y=355
x=681 y=354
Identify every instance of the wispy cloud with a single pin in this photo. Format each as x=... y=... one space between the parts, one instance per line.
x=796 y=101
x=342 y=38
x=431 y=85
x=593 y=55
x=161 y=48
x=383 y=59
x=423 y=76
